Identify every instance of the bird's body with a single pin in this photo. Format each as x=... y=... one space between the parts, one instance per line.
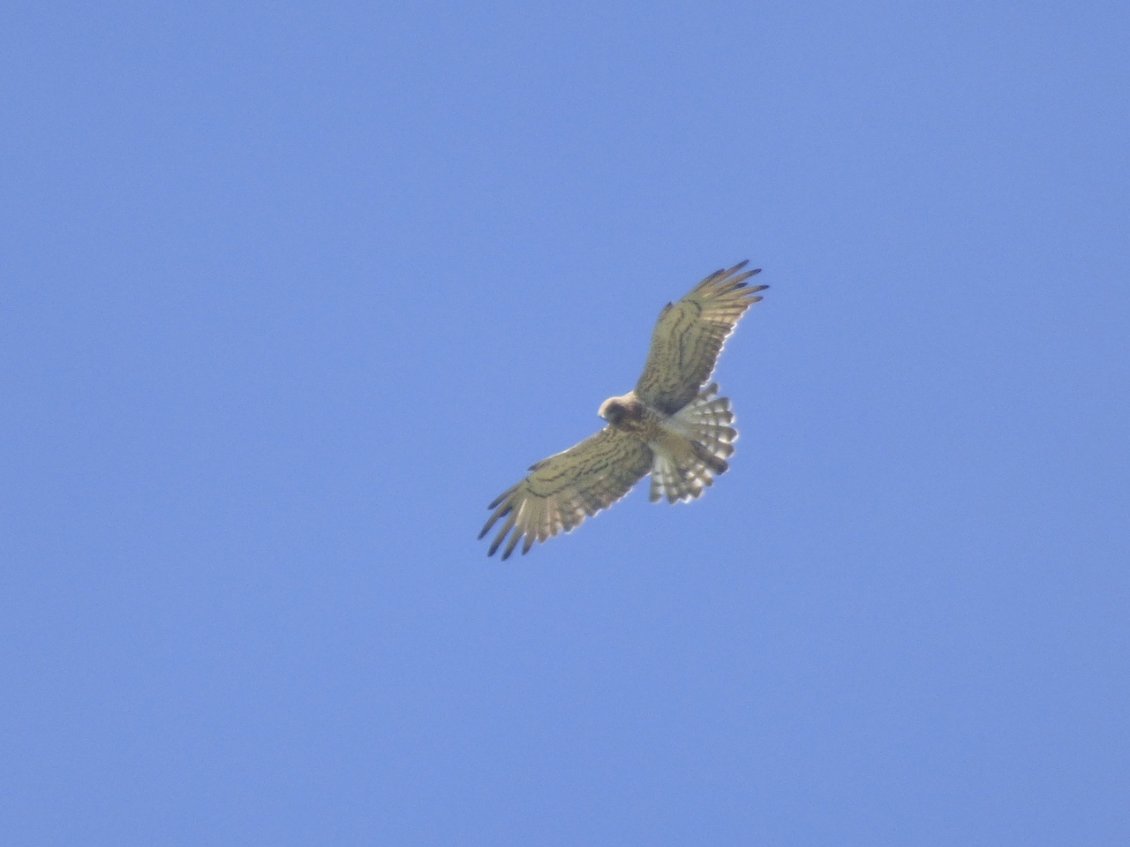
x=669 y=425
x=672 y=435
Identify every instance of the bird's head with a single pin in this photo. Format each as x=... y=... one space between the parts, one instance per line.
x=612 y=411
x=617 y=409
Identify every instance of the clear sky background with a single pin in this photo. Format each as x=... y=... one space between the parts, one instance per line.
x=289 y=293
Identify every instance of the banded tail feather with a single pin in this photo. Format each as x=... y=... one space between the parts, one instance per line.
x=703 y=441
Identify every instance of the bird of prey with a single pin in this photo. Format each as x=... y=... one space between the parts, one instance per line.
x=671 y=425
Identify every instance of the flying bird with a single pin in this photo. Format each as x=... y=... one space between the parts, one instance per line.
x=671 y=425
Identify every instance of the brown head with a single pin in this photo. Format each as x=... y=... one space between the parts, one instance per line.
x=617 y=410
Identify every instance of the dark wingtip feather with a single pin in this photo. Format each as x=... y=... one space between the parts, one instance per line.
x=493 y=519
x=513 y=543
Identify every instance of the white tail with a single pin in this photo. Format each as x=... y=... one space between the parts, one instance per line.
x=703 y=439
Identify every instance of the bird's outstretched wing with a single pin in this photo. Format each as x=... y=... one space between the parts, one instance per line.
x=689 y=336
x=564 y=489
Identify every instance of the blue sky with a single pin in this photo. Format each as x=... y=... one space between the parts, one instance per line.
x=290 y=293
